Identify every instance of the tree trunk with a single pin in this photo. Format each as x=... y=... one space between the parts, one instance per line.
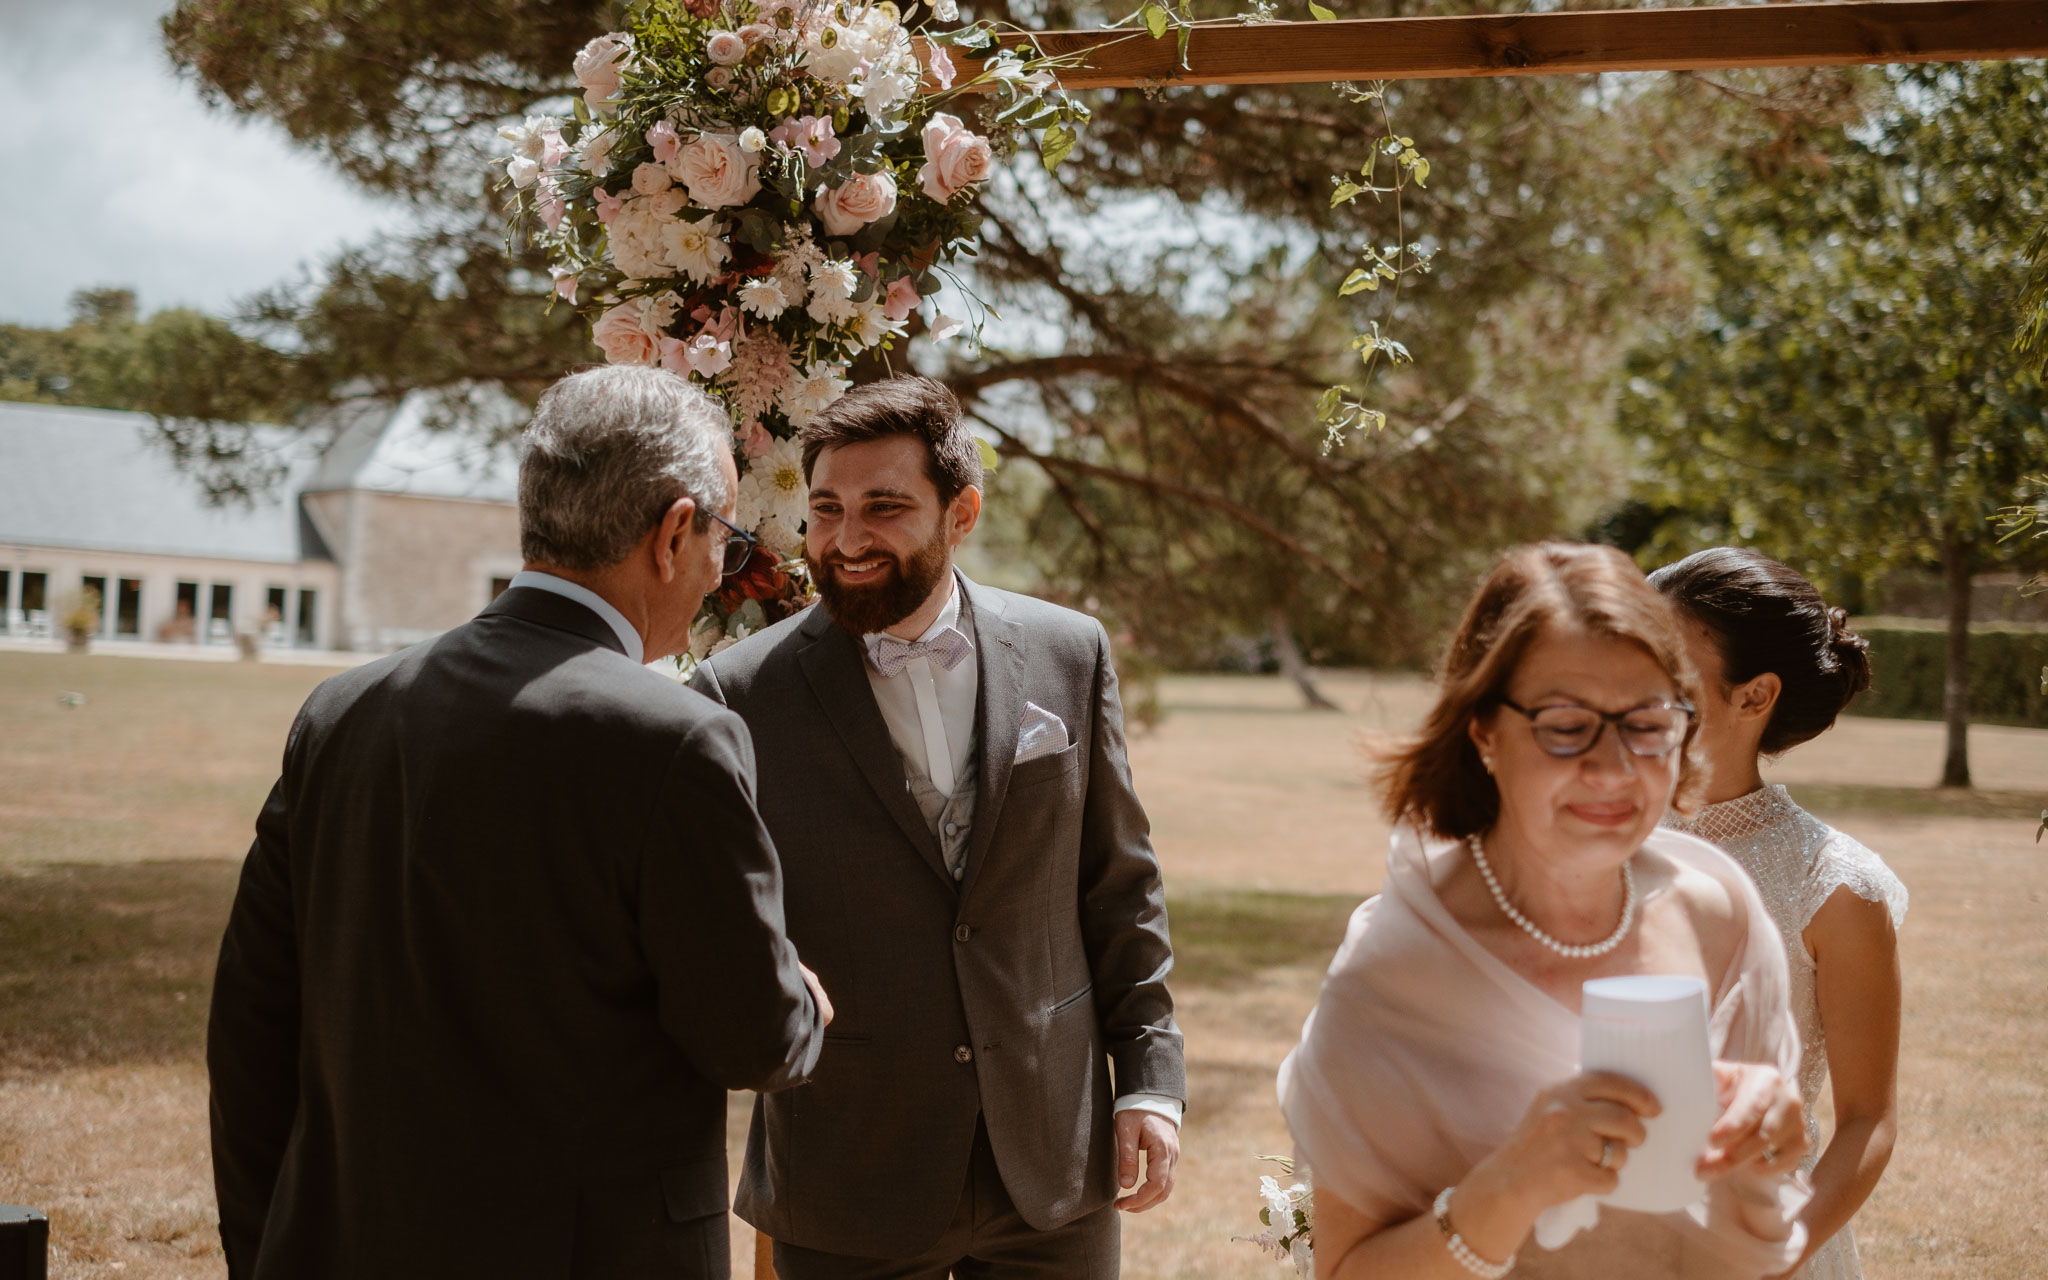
x=1955 y=690
x=1292 y=666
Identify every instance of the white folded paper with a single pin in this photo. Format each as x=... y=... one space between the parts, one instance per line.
x=1652 y=1029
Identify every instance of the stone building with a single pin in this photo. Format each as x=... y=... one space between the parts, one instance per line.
x=381 y=530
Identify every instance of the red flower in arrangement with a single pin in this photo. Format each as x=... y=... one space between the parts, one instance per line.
x=701 y=9
x=760 y=579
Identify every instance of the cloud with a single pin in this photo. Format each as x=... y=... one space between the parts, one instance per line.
x=119 y=175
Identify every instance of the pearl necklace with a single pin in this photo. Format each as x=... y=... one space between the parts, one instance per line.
x=1569 y=950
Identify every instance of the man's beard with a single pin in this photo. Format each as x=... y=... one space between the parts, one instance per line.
x=898 y=593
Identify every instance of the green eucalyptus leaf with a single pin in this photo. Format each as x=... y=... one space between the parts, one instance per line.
x=1157 y=20
x=1056 y=144
x=1319 y=13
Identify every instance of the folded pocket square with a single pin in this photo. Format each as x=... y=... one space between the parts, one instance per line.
x=1041 y=733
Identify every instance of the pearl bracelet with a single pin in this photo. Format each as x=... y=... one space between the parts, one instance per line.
x=1460 y=1251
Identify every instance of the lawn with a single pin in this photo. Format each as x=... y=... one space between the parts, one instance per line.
x=122 y=821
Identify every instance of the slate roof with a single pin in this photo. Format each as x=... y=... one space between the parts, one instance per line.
x=415 y=450
x=93 y=479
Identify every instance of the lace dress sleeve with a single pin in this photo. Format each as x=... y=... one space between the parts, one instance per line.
x=1844 y=862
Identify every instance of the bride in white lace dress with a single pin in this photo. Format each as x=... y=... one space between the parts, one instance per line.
x=1778 y=665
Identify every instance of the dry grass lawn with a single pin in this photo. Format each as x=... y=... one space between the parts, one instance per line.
x=121 y=822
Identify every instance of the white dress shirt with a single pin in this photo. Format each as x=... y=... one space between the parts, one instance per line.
x=589 y=599
x=930 y=713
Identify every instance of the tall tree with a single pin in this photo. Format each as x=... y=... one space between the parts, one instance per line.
x=1169 y=292
x=1847 y=397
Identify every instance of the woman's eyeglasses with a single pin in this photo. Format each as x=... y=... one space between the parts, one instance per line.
x=1564 y=730
x=739 y=546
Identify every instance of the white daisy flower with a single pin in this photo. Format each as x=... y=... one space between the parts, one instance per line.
x=816 y=387
x=773 y=490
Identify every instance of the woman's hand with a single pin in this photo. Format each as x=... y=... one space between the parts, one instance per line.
x=1572 y=1141
x=1760 y=1116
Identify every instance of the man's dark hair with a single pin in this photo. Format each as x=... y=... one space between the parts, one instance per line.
x=910 y=406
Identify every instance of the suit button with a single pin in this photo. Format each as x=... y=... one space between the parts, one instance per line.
x=963 y=933
x=963 y=1054
x=952 y=828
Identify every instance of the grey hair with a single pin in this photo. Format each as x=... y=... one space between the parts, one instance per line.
x=608 y=451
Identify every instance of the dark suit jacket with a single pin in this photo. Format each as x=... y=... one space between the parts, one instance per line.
x=1007 y=995
x=510 y=929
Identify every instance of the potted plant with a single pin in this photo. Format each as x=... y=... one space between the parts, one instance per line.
x=81 y=620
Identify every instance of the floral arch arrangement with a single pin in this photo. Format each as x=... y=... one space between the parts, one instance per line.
x=757 y=193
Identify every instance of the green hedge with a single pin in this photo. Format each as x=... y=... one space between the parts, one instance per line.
x=1907 y=657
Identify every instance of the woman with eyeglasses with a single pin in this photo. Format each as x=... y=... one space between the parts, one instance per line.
x=1435 y=1096
x=1778 y=665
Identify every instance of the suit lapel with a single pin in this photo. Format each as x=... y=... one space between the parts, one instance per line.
x=834 y=665
x=1000 y=656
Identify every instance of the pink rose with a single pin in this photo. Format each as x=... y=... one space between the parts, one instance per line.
x=628 y=333
x=726 y=48
x=955 y=158
x=718 y=77
x=755 y=32
x=650 y=179
x=754 y=439
x=855 y=203
x=608 y=205
x=811 y=135
x=664 y=139
x=940 y=64
x=717 y=173
x=599 y=66
x=901 y=300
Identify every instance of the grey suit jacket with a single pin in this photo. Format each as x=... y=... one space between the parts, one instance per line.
x=1008 y=994
x=510 y=930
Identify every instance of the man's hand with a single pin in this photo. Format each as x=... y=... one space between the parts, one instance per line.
x=1159 y=1138
x=817 y=994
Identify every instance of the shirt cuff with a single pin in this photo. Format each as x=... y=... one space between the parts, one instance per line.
x=1156 y=1103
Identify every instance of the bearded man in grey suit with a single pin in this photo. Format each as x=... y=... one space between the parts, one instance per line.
x=968 y=869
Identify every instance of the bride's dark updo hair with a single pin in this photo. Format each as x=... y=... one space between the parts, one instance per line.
x=1765 y=616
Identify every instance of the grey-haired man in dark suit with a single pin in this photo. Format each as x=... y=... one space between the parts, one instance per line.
x=511 y=926
x=943 y=770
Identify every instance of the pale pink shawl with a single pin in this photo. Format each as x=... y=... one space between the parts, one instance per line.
x=1424 y=1050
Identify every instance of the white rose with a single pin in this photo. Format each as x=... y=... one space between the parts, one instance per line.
x=637 y=236
x=716 y=172
x=522 y=171
x=599 y=66
x=753 y=141
x=726 y=48
x=861 y=199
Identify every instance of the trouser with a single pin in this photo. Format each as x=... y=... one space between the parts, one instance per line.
x=989 y=1240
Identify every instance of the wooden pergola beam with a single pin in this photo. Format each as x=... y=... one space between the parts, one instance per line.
x=1834 y=33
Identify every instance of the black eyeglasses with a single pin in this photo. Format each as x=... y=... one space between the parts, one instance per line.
x=739 y=546
x=1565 y=730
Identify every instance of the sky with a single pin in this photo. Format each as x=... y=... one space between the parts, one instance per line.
x=117 y=174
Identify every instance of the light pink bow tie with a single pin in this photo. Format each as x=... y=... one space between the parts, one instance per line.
x=946 y=649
